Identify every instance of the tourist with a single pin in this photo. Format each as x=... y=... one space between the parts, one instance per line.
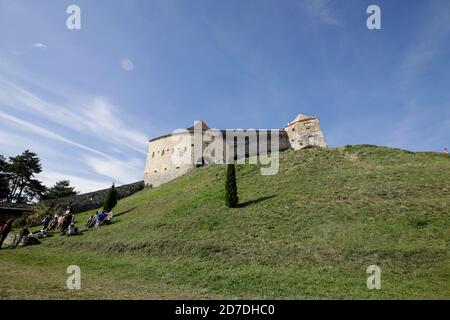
x=60 y=220
x=54 y=223
x=100 y=218
x=45 y=222
x=92 y=220
x=89 y=221
x=109 y=217
x=63 y=223
x=72 y=230
x=66 y=222
x=69 y=210
x=4 y=230
x=24 y=232
x=445 y=150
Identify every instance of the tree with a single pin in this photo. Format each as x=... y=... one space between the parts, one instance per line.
x=61 y=189
x=4 y=182
x=19 y=173
x=111 y=198
x=231 y=197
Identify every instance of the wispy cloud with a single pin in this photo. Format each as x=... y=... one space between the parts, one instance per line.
x=423 y=118
x=93 y=120
x=324 y=10
x=428 y=43
x=116 y=170
x=111 y=125
x=83 y=185
x=122 y=171
x=95 y=115
x=28 y=126
x=127 y=64
x=39 y=45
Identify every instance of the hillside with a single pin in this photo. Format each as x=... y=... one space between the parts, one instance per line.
x=308 y=232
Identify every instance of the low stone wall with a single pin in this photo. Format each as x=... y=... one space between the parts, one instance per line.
x=93 y=200
x=12 y=210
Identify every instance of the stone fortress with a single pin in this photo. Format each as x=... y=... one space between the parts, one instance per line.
x=302 y=132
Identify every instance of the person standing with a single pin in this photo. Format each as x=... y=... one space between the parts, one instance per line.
x=4 y=230
x=445 y=150
x=45 y=222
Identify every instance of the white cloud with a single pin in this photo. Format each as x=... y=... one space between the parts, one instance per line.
x=119 y=170
x=92 y=117
x=45 y=133
x=111 y=126
x=83 y=185
x=324 y=10
x=39 y=45
x=127 y=64
x=96 y=116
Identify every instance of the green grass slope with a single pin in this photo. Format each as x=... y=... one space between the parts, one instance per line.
x=309 y=232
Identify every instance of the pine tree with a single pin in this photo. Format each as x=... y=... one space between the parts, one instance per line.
x=231 y=197
x=18 y=183
x=111 y=198
x=61 y=189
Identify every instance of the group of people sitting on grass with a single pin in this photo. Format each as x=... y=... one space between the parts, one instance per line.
x=65 y=222
x=99 y=218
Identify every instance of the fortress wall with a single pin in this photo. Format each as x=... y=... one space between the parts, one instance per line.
x=283 y=142
x=93 y=200
x=160 y=167
x=304 y=134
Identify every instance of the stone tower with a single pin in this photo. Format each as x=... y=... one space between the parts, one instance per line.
x=304 y=131
x=164 y=152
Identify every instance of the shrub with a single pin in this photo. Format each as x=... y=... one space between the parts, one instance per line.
x=111 y=198
x=231 y=197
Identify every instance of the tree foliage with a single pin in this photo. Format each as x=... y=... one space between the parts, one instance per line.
x=61 y=189
x=17 y=175
x=231 y=197
x=4 y=182
x=111 y=198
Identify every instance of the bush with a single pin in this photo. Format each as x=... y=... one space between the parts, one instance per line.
x=231 y=197
x=111 y=198
x=40 y=211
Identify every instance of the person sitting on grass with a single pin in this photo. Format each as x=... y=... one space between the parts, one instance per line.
x=109 y=217
x=72 y=230
x=60 y=220
x=100 y=218
x=53 y=224
x=67 y=219
x=91 y=221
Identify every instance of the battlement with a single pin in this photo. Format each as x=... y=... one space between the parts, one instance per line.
x=302 y=132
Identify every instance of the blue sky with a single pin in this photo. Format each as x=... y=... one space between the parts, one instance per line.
x=88 y=100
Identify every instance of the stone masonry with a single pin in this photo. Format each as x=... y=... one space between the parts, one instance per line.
x=302 y=132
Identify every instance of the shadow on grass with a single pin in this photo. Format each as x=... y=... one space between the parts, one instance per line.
x=111 y=223
x=249 y=203
x=125 y=212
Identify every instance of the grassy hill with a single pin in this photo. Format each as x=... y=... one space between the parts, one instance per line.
x=309 y=232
